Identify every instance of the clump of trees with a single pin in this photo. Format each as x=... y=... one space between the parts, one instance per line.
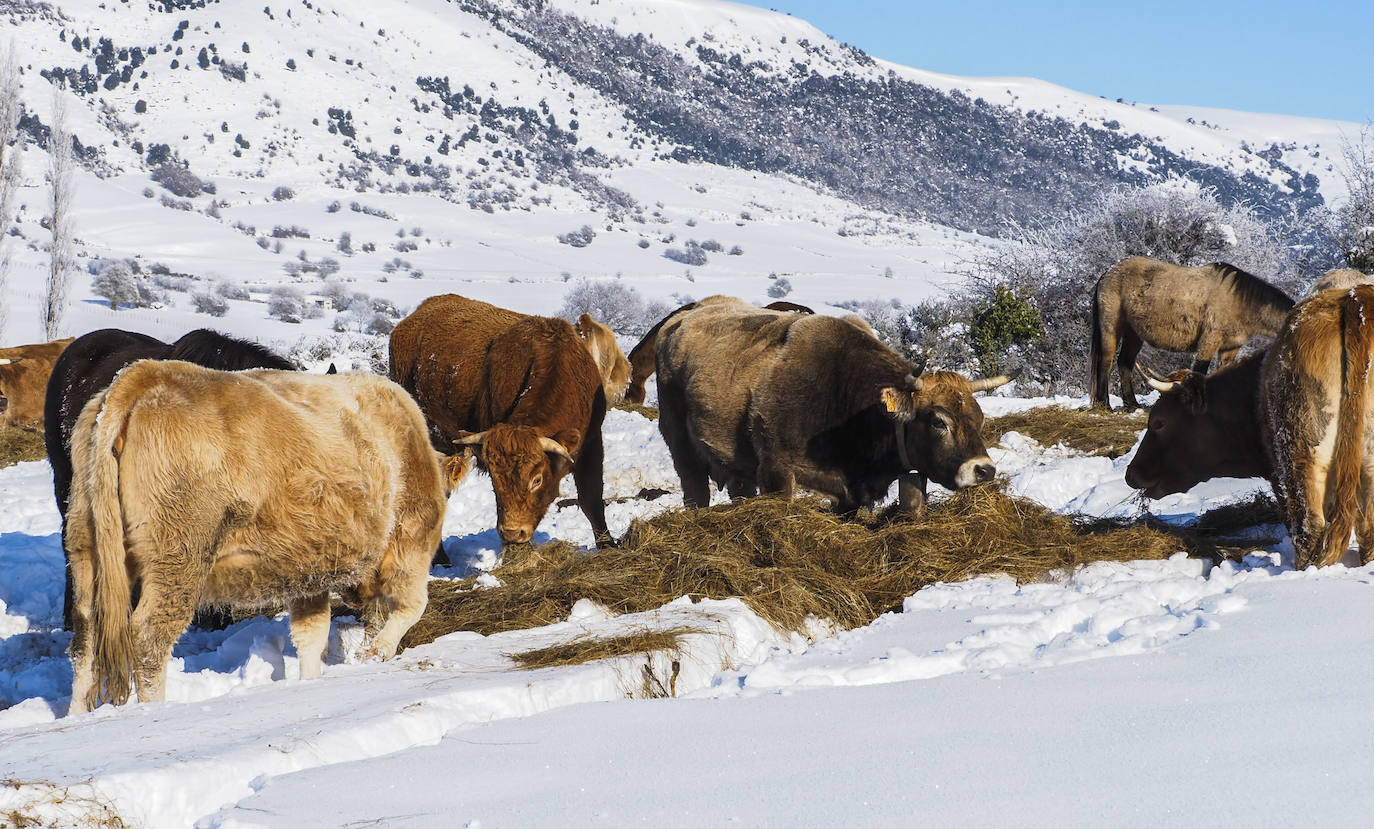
x=1355 y=217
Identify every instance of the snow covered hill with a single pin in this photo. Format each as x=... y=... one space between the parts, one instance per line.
x=410 y=147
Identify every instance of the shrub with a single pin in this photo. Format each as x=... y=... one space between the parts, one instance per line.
x=711 y=245
x=229 y=291
x=293 y=231
x=179 y=180
x=286 y=304
x=779 y=288
x=578 y=238
x=692 y=254
x=1007 y=320
x=284 y=193
x=333 y=207
x=612 y=303
x=379 y=324
x=345 y=244
x=208 y=303
x=115 y=283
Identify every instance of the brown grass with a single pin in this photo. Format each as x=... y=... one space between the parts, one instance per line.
x=20 y=443
x=96 y=813
x=788 y=560
x=591 y=648
x=651 y=412
x=1093 y=431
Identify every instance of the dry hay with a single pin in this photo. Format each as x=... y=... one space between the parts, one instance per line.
x=1094 y=431
x=788 y=560
x=82 y=811
x=650 y=412
x=19 y=444
x=590 y=648
x=1260 y=510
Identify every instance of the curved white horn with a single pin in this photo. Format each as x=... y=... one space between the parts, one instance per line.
x=551 y=445
x=470 y=439
x=1160 y=385
x=987 y=383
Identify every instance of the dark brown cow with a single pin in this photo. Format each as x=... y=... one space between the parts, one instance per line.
x=642 y=355
x=242 y=489
x=24 y=372
x=1299 y=415
x=521 y=391
x=752 y=398
x=1211 y=310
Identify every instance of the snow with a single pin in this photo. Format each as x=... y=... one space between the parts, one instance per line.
x=973 y=688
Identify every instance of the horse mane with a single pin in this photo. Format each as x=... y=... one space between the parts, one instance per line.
x=220 y=351
x=1250 y=289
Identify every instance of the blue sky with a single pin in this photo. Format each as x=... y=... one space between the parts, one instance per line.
x=1298 y=58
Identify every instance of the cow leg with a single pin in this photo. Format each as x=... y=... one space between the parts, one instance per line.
x=1125 y=368
x=1101 y=351
x=310 y=632
x=911 y=492
x=407 y=594
x=164 y=611
x=1306 y=518
x=588 y=476
x=81 y=580
x=1364 y=515
x=1226 y=356
x=692 y=469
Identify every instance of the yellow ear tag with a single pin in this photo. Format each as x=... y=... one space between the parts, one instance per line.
x=892 y=400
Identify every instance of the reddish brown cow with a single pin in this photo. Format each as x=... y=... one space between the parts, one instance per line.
x=521 y=391
x=24 y=372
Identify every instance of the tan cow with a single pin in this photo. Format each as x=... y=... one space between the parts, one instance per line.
x=242 y=489
x=610 y=360
x=24 y=372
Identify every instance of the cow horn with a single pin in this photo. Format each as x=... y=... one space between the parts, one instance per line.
x=551 y=445
x=986 y=383
x=1160 y=385
x=470 y=438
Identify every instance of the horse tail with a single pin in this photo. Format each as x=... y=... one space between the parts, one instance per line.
x=1097 y=388
x=1348 y=458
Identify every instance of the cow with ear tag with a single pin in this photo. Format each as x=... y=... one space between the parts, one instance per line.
x=521 y=393
x=756 y=399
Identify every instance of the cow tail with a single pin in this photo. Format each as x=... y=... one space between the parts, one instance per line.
x=1095 y=347
x=1348 y=456
x=113 y=646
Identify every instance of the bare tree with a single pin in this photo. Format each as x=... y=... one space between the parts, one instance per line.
x=1356 y=215
x=62 y=258
x=9 y=166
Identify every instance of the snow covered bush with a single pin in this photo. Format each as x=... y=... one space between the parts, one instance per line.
x=115 y=284
x=779 y=288
x=208 y=303
x=612 y=303
x=286 y=304
x=231 y=291
x=284 y=193
x=578 y=238
x=1355 y=218
x=691 y=254
x=179 y=180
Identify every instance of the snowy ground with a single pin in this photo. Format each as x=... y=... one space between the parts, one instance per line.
x=1121 y=694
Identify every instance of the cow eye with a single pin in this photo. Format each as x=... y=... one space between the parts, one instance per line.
x=536 y=482
x=939 y=424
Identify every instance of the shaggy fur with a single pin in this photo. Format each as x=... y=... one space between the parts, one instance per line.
x=605 y=351
x=642 y=355
x=24 y=372
x=756 y=399
x=515 y=381
x=242 y=489
x=1211 y=310
x=91 y=362
x=1300 y=416
x=1339 y=279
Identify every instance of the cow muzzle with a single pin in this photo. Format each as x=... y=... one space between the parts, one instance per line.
x=515 y=534
x=975 y=471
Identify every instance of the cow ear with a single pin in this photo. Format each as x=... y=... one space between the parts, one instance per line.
x=453 y=468
x=570 y=439
x=1192 y=390
x=899 y=403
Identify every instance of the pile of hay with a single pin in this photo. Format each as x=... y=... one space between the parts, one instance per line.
x=1095 y=431
x=788 y=560
x=19 y=444
x=650 y=412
